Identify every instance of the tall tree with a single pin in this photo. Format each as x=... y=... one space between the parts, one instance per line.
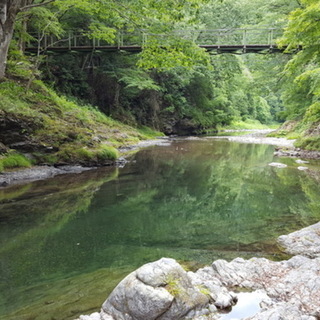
x=8 y=13
x=105 y=17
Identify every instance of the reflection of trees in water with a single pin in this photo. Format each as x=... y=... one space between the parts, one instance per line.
x=207 y=196
x=38 y=213
x=187 y=201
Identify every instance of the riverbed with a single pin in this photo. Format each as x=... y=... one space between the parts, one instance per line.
x=67 y=241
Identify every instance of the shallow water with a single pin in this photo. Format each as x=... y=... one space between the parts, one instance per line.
x=67 y=241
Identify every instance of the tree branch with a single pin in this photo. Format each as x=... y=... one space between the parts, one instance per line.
x=36 y=5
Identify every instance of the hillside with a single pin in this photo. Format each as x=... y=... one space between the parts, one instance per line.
x=37 y=126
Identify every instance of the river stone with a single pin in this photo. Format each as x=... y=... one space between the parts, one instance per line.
x=304 y=242
x=294 y=283
x=159 y=290
x=277 y=165
x=162 y=290
x=301 y=161
x=302 y=168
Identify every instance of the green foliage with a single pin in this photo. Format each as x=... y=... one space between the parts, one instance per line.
x=172 y=286
x=246 y=125
x=18 y=65
x=149 y=133
x=13 y=160
x=138 y=80
x=107 y=153
x=165 y=53
x=308 y=143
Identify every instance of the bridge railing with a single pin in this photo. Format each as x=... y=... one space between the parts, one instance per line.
x=242 y=37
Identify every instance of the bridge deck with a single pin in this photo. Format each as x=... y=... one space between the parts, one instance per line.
x=217 y=41
x=218 y=48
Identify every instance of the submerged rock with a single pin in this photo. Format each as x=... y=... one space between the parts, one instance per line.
x=277 y=165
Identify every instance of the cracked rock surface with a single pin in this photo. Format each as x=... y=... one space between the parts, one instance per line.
x=163 y=290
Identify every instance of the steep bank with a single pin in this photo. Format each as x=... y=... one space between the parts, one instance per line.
x=39 y=127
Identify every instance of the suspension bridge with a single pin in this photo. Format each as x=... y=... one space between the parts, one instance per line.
x=236 y=41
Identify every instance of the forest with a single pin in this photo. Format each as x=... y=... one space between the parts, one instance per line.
x=172 y=86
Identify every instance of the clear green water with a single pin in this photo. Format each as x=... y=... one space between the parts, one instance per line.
x=66 y=242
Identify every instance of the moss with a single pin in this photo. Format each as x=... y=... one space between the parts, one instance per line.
x=203 y=290
x=172 y=286
x=45 y=158
x=84 y=154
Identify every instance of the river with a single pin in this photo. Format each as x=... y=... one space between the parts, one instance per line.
x=66 y=242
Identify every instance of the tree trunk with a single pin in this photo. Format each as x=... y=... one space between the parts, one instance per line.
x=8 y=13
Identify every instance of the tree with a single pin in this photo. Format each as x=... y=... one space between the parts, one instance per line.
x=8 y=13
x=302 y=73
x=106 y=17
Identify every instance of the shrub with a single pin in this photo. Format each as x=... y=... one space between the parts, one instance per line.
x=308 y=143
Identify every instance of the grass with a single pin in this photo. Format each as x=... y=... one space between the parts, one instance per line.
x=305 y=133
x=77 y=133
x=149 y=133
x=172 y=286
x=308 y=143
x=13 y=160
x=107 y=153
x=247 y=125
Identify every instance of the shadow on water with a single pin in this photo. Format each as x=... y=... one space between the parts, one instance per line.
x=66 y=242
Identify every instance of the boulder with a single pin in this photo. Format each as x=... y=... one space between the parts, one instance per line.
x=303 y=242
x=161 y=290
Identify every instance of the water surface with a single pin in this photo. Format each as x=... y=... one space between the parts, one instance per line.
x=66 y=242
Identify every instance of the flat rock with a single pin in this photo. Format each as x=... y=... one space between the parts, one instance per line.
x=293 y=285
x=37 y=173
x=303 y=242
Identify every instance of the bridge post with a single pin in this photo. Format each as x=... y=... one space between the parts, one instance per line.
x=144 y=39
x=244 y=40
x=69 y=40
x=45 y=41
x=120 y=40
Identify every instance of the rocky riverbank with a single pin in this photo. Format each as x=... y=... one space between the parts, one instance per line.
x=164 y=290
x=45 y=172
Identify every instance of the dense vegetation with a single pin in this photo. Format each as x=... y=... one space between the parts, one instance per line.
x=172 y=86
